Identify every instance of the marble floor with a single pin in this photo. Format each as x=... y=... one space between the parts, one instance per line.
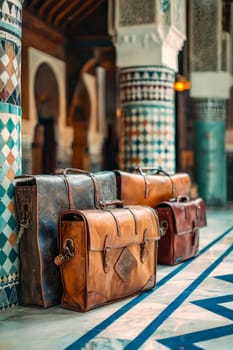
x=190 y=308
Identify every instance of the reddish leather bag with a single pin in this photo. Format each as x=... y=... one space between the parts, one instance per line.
x=147 y=186
x=106 y=254
x=181 y=220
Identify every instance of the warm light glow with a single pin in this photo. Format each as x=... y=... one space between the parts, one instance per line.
x=181 y=85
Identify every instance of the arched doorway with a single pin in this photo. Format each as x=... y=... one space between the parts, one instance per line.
x=47 y=105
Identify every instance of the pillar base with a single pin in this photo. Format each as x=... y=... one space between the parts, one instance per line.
x=210 y=159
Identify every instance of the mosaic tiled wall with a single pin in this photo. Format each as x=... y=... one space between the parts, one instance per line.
x=210 y=158
x=10 y=149
x=204 y=35
x=148 y=118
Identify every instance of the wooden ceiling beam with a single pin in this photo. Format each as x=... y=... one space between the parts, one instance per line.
x=81 y=15
x=63 y=16
x=56 y=9
x=32 y=5
x=69 y=9
x=45 y=6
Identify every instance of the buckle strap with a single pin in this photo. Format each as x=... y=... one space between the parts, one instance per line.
x=144 y=246
x=163 y=227
x=67 y=252
x=107 y=255
x=23 y=225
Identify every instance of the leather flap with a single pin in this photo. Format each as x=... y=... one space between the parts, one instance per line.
x=187 y=215
x=122 y=226
x=106 y=182
x=53 y=188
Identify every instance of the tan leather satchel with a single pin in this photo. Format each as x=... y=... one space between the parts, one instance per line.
x=181 y=220
x=106 y=254
x=148 y=186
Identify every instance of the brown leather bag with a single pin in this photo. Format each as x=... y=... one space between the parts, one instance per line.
x=39 y=200
x=181 y=220
x=106 y=255
x=148 y=186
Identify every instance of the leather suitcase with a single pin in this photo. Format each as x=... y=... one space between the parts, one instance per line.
x=181 y=220
x=147 y=186
x=106 y=255
x=39 y=200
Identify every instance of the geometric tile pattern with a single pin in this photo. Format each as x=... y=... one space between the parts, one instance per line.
x=9 y=291
x=9 y=72
x=147 y=118
x=218 y=305
x=213 y=109
x=10 y=146
x=10 y=166
x=11 y=18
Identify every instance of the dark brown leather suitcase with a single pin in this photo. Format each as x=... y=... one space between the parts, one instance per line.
x=39 y=200
x=147 y=186
x=106 y=255
x=181 y=220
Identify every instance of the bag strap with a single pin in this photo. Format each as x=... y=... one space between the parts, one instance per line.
x=69 y=191
x=119 y=204
x=135 y=220
x=156 y=171
x=23 y=225
x=146 y=181
x=65 y=172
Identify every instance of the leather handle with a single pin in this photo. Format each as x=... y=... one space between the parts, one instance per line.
x=182 y=199
x=143 y=171
x=65 y=172
x=156 y=171
x=116 y=202
x=24 y=176
x=71 y=171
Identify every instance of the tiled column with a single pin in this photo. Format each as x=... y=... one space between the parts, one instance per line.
x=10 y=146
x=210 y=159
x=210 y=88
x=148 y=36
x=148 y=121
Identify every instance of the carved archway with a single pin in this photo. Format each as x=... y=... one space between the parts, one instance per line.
x=46 y=95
